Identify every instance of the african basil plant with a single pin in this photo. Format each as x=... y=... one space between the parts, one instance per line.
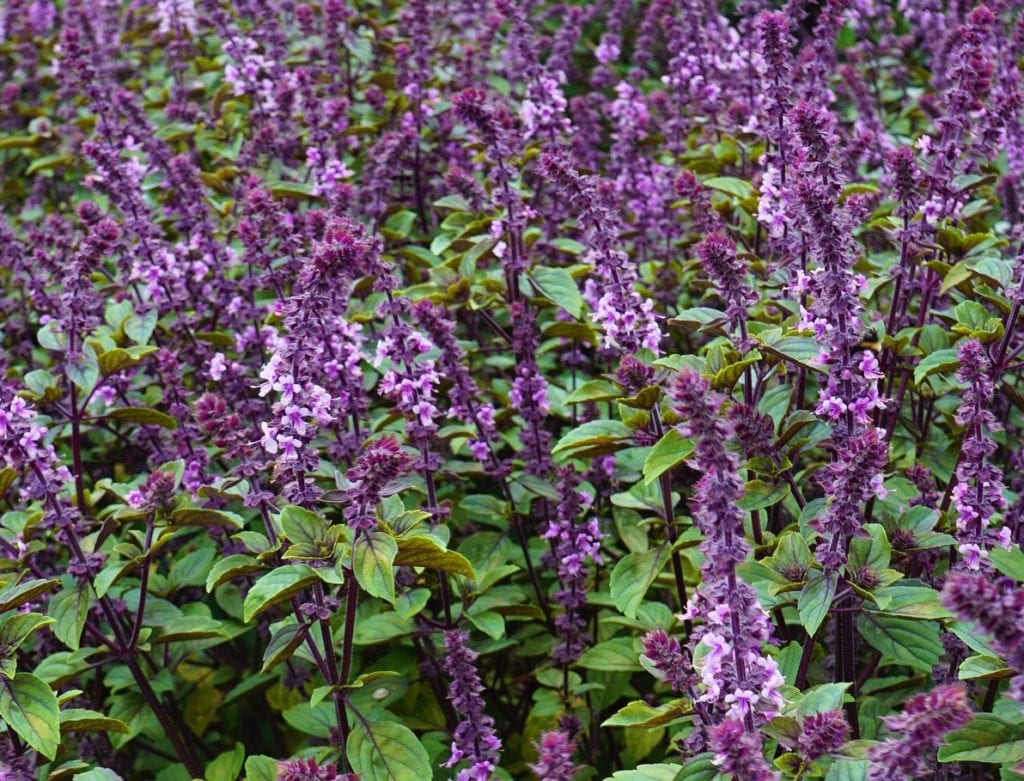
x=503 y=389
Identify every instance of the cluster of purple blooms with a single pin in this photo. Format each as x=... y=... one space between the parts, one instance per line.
x=280 y=253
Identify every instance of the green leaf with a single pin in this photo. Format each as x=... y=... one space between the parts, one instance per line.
x=302 y=525
x=662 y=772
x=387 y=751
x=760 y=494
x=668 y=452
x=594 y=390
x=816 y=600
x=700 y=318
x=227 y=766
x=275 y=587
x=48 y=163
x=139 y=328
x=615 y=655
x=1009 y=562
x=283 y=644
x=986 y=738
x=227 y=569
x=260 y=768
x=557 y=285
x=937 y=362
x=7 y=478
x=984 y=667
x=85 y=720
x=596 y=437
x=84 y=370
x=902 y=640
x=69 y=609
x=198 y=516
x=731 y=186
x=639 y=714
x=822 y=698
x=422 y=550
x=18 y=628
x=144 y=415
x=29 y=707
x=296 y=191
x=373 y=556
x=189 y=628
x=633 y=575
x=118 y=359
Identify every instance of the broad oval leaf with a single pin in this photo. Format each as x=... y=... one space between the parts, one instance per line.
x=29 y=707
x=275 y=587
x=387 y=751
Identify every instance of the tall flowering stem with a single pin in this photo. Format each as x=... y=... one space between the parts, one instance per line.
x=978 y=494
x=737 y=684
x=475 y=739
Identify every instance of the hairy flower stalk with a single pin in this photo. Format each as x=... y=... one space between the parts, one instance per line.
x=978 y=494
x=921 y=727
x=738 y=684
x=474 y=740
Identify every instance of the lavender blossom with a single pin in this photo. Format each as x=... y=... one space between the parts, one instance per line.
x=380 y=462
x=474 y=740
x=978 y=494
x=998 y=610
x=554 y=763
x=738 y=751
x=574 y=544
x=922 y=726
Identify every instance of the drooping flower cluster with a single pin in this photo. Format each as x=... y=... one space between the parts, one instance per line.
x=576 y=546
x=474 y=740
x=925 y=720
x=998 y=609
x=978 y=494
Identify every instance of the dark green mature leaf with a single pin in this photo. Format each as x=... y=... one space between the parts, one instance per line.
x=662 y=772
x=421 y=550
x=86 y=720
x=28 y=590
x=69 y=609
x=615 y=655
x=29 y=707
x=596 y=437
x=902 y=641
x=144 y=415
x=987 y=738
x=283 y=644
x=275 y=587
x=633 y=575
x=558 y=285
x=934 y=363
x=816 y=600
x=234 y=566
x=387 y=751
x=190 y=628
x=198 y=516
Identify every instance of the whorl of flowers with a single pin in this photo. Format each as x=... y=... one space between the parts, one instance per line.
x=554 y=762
x=978 y=494
x=626 y=318
x=921 y=727
x=822 y=734
x=738 y=752
x=717 y=255
x=380 y=462
x=24 y=448
x=576 y=545
x=474 y=739
x=850 y=394
x=736 y=678
x=463 y=396
x=319 y=349
x=998 y=610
